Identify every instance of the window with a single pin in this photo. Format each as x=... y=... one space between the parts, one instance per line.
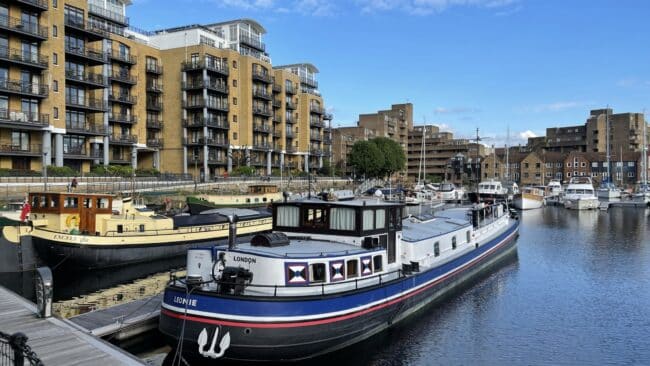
x=102 y=203
x=317 y=272
x=234 y=101
x=234 y=118
x=352 y=268
x=141 y=227
x=380 y=219
x=453 y=242
x=368 y=219
x=55 y=3
x=71 y=202
x=583 y=164
x=315 y=217
x=377 y=263
x=436 y=249
x=234 y=83
x=56 y=112
x=19 y=141
x=234 y=64
x=234 y=135
x=342 y=219
x=55 y=85
x=120 y=229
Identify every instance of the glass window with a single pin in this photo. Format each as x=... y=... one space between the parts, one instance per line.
x=71 y=202
x=368 y=219
x=377 y=263
x=436 y=249
x=453 y=242
x=352 y=268
x=318 y=272
x=342 y=219
x=380 y=219
x=288 y=216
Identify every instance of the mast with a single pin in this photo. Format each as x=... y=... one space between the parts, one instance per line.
x=494 y=153
x=508 y=156
x=645 y=153
x=609 y=177
x=620 y=174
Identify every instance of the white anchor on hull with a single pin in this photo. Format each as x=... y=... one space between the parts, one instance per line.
x=203 y=341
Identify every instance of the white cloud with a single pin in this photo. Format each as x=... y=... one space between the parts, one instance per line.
x=526 y=134
x=426 y=7
x=444 y=127
x=556 y=106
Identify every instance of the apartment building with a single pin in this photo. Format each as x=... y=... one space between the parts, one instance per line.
x=79 y=88
x=394 y=123
x=343 y=138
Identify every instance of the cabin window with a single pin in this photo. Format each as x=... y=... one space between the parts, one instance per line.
x=380 y=219
x=315 y=217
x=352 y=268
x=342 y=219
x=264 y=199
x=453 y=242
x=257 y=200
x=141 y=227
x=469 y=236
x=88 y=203
x=120 y=229
x=248 y=200
x=287 y=216
x=377 y=263
x=71 y=202
x=54 y=203
x=368 y=219
x=317 y=272
x=436 y=249
x=102 y=203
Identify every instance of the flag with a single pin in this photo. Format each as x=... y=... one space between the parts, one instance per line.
x=25 y=211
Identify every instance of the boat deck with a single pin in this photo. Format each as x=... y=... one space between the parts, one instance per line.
x=57 y=341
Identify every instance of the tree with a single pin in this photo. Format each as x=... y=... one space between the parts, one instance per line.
x=367 y=159
x=394 y=158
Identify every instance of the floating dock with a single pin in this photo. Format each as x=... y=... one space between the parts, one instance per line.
x=57 y=341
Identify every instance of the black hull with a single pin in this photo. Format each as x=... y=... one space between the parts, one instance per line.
x=296 y=343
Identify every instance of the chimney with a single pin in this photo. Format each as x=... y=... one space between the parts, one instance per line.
x=232 y=231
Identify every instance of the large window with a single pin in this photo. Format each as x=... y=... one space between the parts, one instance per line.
x=342 y=219
x=288 y=216
x=73 y=144
x=20 y=141
x=315 y=217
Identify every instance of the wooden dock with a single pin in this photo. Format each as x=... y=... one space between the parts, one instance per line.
x=57 y=341
x=122 y=321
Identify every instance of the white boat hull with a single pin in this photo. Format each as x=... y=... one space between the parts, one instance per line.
x=527 y=202
x=608 y=194
x=582 y=203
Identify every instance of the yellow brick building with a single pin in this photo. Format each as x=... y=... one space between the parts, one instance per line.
x=79 y=88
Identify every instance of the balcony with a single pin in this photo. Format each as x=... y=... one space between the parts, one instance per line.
x=76 y=152
x=154 y=69
x=291 y=105
x=90 y=31
x=252 y=42
x=86 y=129
x=122 y=118
x=328 y=116
x=154 y=87
x=23 y=120
x=211 y=123
x=290 y=89
x=123 y=57
x=314 y=108
x=90 y=104
x=107 y=14
x=123 y=99
x=192 y=141
x=277 y=88
x=220 y=68
x=262 y=94
x=21 y=150
x=315 y=152
x=262 y=76
x=261 y=145
x=316 y=136
x=218 y=142
x=120 y=159
x=277 y=103
x=88 y=79
x=262 y=111
x=277 y=133
x=154 y=104
x=277 y=119
x=154 y=124
x=92 y=56
x=205 y=84
x=124 y=78
x=157 y=143
x=23 y=88
x=309 y=82
x=290 y=119
x=123 y=139
x=327 y=141
x=23 y=58
x=289 y=134
x=35 y=4
x=31 y=30
x=202 y=103
x=291 y=150
x=261 y=128
x=255 y=161
x=316 y=123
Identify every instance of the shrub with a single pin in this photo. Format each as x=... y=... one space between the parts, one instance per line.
x=152 y=172
x=243 y=170
x=61 y=171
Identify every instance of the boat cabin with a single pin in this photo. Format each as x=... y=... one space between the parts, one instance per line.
x=69 y=212
x=262 y=188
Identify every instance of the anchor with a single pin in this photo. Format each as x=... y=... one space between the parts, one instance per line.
x=203 y=341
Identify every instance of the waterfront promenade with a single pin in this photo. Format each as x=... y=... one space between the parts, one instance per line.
x=56 y=341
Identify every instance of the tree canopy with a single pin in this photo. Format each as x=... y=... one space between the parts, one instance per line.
x=378 y=157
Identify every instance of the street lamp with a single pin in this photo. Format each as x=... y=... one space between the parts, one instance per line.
x=44 y=171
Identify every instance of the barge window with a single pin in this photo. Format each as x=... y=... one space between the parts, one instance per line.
x=88 y=202
x=342 y=219
x=54 y=202
x=288 y=216
x=377 y=263
x=469 y=236
x=453 y=242
x=102 y=203
x=380 y=219
x=352 y=268
x=71 y=202
x=141 y=227
x=315 y=217
x=317 y=272
x=120 y=229
x=436 y=249
x=368 y=220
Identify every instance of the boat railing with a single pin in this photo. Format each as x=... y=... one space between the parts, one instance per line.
x=180 y=230
x=324 y=288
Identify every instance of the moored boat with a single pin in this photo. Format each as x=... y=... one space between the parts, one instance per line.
x=529 y=198
x=257 y=195
x=82 y=231
x=580 y=194
x=330 y=275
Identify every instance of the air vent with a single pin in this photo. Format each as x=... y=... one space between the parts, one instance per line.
x=270 y=240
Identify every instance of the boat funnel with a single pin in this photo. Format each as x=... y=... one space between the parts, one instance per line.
x=232 y=231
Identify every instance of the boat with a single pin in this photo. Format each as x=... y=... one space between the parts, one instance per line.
x=608 y=191
x=580 y=194
x=81 y=231
x=529 y=198
x=449 y=192
x=492 y=191
x=258 y=195
x=331 y=274
x=11 y=212
x=554 y=193
x=642 y=194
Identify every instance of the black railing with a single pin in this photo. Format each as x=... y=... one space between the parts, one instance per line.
x=262 y=76
x=41 y=4
x=105 y=13
x=31 y=118
x=86 y=27
x=124 y=57
x=23 y=57
x=24 y=87
x=27 y=28
x=87 y=52
x=255 y=43
x=89 y=77
x=154 y=68
x=15 y=351
x=124 y=77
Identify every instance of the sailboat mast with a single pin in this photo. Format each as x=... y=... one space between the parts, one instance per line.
x=645 y=152
x=507 y=156
x=609 y=177
x=424 y=131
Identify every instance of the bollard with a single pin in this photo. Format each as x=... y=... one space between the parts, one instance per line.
x=44 y=285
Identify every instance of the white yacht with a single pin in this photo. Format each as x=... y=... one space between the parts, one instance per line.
x=449 y=192
x=608 y=190
x=580 y=194
x=529 y=198
x=554 y=192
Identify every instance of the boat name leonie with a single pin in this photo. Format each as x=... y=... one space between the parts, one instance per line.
x=184 y=301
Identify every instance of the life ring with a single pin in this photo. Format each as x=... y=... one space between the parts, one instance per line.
x=70 y=219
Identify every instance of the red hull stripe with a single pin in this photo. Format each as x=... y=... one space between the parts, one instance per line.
x=174 y=314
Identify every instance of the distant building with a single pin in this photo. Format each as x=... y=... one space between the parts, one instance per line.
x=394 y=123
x=343 y=138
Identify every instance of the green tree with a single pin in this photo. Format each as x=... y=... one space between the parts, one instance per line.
x=394 y=157
x=244 y=171
x=367 y=159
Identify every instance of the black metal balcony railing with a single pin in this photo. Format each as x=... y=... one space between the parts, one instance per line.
x=154 y=69
x=122 y=118
x=155 y=87
x=290 y=150
x=77 y=151
x=123 y=57
x=107 y=14
x=277 y=88
x=155 y=143
x=25 y=28
x=263 y=94
x=88 y=128
x=88 y=78
x=316 y=123
x=263 y=145
x=210 y=122
x=24 y=118
x=39 y=4
x=88 y=28
x=291 y=105
x=86 y=103
x=277 y=133
x=261 y=128
x=221 y=68
x=262 y=76
x=123 y=139
x=26 y=58
x=315 y=136
x=221 y=142
x=277 y=103
x=20 y=149
x=290 y=89
x=89 y=53
x=154 y=124
x=207 y=84
x=250 y=41
x=24 y=88
x=154 y=104
x=263 y=111
x=290 y=119
x=124 y=78
x=314 y=108
x=289 y=134
x=127 y=99
x=120 y=158
x=202 y=103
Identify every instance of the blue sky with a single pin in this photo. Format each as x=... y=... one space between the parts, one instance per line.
x=526 y=64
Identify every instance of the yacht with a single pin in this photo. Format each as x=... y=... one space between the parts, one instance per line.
x=449 y=192
x=554 y=192
x=608 y=190
x=580 y=194
x=529 y=198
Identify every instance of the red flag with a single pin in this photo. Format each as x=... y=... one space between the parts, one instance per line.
x=25 y=211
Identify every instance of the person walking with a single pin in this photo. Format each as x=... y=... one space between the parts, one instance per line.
x=73 y=184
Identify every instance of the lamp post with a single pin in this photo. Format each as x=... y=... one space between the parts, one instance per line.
x=44 y=171
x=196 y=170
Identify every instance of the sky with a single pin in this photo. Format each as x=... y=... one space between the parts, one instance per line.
x=497 y=65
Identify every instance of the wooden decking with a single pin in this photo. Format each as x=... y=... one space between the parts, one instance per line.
x=57 y=341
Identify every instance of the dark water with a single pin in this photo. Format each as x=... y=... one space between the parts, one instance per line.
x=577 y=293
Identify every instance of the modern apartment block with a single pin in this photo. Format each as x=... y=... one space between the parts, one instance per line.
x=394 y=123
x=79 y=88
